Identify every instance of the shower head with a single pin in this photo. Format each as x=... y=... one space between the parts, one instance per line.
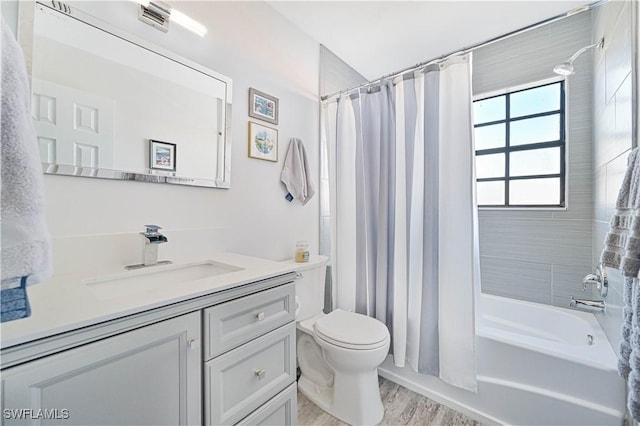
x=566 y=68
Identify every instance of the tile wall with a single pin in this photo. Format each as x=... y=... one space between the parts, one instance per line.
x=541 y=255
x=612 y=138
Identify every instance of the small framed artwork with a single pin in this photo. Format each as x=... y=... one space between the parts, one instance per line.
x=263 y=142
x=162 y=155
x=262 y=106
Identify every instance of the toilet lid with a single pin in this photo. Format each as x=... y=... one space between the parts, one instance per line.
x=351 y=330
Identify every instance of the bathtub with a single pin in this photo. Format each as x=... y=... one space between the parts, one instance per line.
x=537 y=365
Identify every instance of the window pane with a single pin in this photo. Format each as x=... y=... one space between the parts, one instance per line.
x=534 y=191
x=534 y=101
x=535 y=162
x=492 y=109
x=490 y=193
x=540 y=129
x=489 y=166
x=487 y=137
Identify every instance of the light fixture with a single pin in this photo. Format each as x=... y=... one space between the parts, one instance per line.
x=158 y=14
x=187 y=22
x=566 y=68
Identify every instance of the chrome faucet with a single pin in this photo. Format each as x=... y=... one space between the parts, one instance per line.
x=588 y=305
x=152 y=238
x=598 y=280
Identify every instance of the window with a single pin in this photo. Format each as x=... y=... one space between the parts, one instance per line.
x=520 y=148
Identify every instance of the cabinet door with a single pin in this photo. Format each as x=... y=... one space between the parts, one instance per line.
x=148 y=376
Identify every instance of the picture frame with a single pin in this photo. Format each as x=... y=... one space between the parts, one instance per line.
x=162 y=155
x=262 y=106
x=263 y=142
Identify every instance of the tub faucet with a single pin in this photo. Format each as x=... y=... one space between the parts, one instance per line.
x=598 y=279
x=588 y=305
x=152 y=238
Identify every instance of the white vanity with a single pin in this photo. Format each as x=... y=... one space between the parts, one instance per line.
x=209 y=342
x=212 y=350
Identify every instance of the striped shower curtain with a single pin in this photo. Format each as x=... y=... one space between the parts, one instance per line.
x=404 y=229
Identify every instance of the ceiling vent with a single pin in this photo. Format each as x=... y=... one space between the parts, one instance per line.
x=156 y=14
x=61 y=7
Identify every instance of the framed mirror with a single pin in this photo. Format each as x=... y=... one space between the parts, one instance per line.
x=107 y=104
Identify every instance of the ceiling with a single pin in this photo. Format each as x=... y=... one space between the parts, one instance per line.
x=380 y=37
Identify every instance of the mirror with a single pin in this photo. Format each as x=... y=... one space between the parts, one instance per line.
x=109 y=105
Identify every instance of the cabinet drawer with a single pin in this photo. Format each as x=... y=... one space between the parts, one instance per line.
x=282 y=410
x=241 y=380
x=231 y=324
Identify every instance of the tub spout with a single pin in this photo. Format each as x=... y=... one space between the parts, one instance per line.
x=588 y=305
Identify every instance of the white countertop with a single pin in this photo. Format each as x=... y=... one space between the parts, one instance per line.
x=65 y=302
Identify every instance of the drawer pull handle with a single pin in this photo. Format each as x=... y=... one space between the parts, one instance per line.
x=260 y=374
x=299 y=275
x=259 y=316
x=194 y=343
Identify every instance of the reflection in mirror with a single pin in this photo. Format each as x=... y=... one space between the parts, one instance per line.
x=100 y=96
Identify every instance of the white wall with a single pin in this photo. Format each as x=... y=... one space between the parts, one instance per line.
x=9 y=13
x=96 y=221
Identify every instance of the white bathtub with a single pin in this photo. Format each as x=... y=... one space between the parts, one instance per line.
x=535 y=367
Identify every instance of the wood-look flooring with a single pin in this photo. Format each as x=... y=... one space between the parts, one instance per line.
x=401 y=407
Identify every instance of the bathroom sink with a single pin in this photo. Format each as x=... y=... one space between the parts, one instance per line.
x=154 y=277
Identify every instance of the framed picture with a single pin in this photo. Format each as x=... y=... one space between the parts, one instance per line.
x=162 y=155
x=263 y=142
x=262 y=106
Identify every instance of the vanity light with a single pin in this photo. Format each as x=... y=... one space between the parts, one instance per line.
x=158 y=14
x=187 y=22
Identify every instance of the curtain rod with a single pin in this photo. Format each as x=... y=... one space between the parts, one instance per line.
x=467 y=49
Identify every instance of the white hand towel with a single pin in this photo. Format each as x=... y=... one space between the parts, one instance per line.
x=26 y=248
x=295 y=172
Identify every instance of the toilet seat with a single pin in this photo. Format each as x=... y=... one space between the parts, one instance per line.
x=351 y=331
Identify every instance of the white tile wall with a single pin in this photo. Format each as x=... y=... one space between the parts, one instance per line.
x=618 y=51
x=612 y=137
x=516 y=278
x=560 y=242
x=563 y=283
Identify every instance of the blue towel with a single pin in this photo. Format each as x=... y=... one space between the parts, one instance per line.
x=13 y=300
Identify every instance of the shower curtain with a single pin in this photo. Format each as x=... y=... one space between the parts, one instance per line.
x=404 y=234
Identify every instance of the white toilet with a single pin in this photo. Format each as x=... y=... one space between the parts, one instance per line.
x=338 y=353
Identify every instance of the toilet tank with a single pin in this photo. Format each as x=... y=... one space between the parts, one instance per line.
x=310 y=286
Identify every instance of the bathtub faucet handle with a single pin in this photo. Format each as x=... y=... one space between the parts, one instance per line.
x=598 y=279
x=591 y=279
